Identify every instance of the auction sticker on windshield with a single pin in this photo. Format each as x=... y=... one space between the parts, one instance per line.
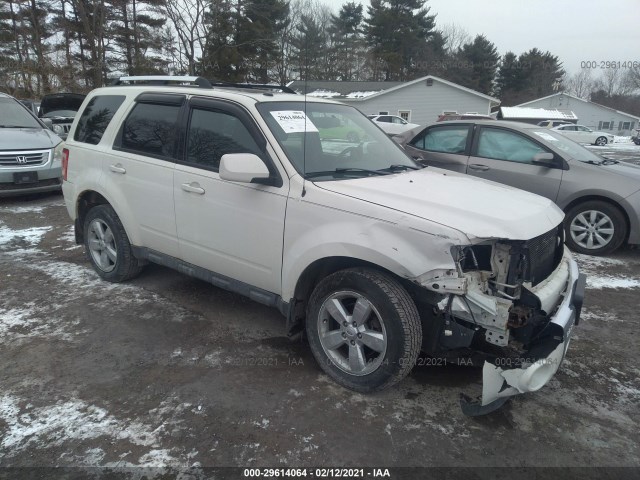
x=294 y=121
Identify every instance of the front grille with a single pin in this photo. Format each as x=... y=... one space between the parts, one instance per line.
x=543 y=254
x=534 y=260
x=23 y=159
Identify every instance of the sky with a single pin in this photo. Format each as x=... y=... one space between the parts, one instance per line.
x=574 y=30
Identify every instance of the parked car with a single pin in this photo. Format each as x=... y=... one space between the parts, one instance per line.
x=601 y=197
x=392 y=124
x=582 y=134
x=463 y=116
x=553 y=123
x=30 y=154
x=61 y=108
x=374 y=257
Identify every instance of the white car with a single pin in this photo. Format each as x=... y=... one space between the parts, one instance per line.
x=582 y=134
x=392 y=124
x=375 y=258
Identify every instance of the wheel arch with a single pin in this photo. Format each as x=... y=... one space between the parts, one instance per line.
x=85 y=202
x=322 y=267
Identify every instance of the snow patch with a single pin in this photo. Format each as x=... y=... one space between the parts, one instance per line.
x=323 y=94
x=606 y=281
x=362 y=94
x=73 y=419
x=30 y=321
x=22 y=209
x=32 y=236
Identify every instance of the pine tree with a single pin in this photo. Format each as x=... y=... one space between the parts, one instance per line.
x=475 y=65
x=397 y=32
x=348 y=43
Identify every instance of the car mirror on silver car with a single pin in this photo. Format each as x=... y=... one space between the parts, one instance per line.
x=544 y=159
x=242 y=167
x=47 y=123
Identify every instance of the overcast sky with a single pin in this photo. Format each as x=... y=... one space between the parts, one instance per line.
x=574 y=30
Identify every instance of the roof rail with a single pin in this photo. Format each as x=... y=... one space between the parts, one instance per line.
x=162 y=80
x=254 y=86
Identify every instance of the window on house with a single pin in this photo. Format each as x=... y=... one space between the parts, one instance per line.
x=625 y=126
x=405 y=114
x=383 y=113
x=605 y=125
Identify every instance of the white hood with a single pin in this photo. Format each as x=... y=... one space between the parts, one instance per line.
x=475 y=207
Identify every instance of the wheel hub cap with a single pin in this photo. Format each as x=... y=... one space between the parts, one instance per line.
x=352 y=333
x=592 y=229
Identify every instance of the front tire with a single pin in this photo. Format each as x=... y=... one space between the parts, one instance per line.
x=363 y=329
x=595 y=228
x=107 y=245
x=601 y=141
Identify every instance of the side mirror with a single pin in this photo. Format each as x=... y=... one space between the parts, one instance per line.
x=47 y=123
x=545 y=159
x=243 y=167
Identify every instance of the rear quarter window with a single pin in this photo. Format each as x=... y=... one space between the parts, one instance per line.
x=95 y=118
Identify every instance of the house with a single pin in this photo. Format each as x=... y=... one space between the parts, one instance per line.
x=535 y=115
x=592 y=115
x=419 y=101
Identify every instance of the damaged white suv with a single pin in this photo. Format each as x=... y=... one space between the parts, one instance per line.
x=259 y=192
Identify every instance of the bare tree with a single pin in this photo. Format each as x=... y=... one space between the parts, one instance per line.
x=455 y=37
x=187 y=16
x=580 y=84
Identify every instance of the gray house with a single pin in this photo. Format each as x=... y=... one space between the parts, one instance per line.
x=592 y=115
x=420 y=101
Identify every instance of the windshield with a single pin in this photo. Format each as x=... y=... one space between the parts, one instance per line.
x=14 y=115
x=332 y=141
x=571 y=148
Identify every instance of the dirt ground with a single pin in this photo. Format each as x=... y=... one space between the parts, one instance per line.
x=168 y=371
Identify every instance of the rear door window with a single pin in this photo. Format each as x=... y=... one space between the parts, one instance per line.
x=95 y=118
x=449 y=139
x=151 y=130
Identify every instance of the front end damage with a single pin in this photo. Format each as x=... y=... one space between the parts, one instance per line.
x=510 y=305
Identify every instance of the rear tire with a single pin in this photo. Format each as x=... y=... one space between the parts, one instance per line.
x=363 y=329
x=107 y=245
x=601 y=141
x=595 y=227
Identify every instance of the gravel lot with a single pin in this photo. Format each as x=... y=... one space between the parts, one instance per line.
x=167 y=371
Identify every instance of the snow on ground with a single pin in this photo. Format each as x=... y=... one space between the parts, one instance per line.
x=593 y=268
x=29 y=427
x=21 y=209
x=31 y=236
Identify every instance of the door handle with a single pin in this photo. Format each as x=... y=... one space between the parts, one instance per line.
x=478 y=167
x=117 y=168
x=193 y=187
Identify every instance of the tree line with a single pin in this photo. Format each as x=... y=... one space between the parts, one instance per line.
x=77 y=45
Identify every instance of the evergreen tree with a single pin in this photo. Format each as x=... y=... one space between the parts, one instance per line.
x=475 y=65
x=397 y=32
x=348 y=43
x=309 y=49
x=532 y=75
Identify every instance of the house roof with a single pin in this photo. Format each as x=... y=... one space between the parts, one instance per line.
x=582 y=100
x=537 y=113
x=358 y=91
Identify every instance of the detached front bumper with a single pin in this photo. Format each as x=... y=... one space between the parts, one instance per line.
x=501 y=381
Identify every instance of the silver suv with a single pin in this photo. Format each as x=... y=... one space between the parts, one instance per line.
x=374 y=258
x=30 y=154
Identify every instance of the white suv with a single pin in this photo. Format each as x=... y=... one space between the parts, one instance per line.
x=374 y=257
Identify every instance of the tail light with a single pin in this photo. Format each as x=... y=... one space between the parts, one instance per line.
x=65 y=162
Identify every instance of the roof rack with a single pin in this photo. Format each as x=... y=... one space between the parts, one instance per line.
x=196 y=81
x=162 y=80
x=254 y=86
